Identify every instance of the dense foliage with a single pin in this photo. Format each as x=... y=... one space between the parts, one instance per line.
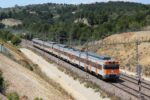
x=80 y=22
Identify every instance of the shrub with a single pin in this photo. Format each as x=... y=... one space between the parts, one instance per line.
x=2 y=86
x=7 y=36
x=13 y=96
x=15 y=40
x=38 y=98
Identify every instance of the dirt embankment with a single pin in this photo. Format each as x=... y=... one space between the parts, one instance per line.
x=27 y=83
x=126 y=53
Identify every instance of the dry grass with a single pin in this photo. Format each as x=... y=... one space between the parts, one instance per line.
x=38 y=71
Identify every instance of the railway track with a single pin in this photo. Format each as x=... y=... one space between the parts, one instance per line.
x=133 y=84
x=144 y=84
x=135 y=80
x=126 y=88
x=132 y=88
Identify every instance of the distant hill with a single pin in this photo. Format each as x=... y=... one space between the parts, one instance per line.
x=79 y=22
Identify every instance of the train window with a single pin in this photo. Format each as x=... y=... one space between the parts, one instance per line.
x=99 y=67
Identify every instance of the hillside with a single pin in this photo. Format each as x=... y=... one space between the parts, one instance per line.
x=79 y=23
x=126 y=53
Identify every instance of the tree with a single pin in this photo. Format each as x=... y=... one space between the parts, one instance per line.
x=3 y=15
x=135 y=26
x=2 y=26
x=9 y=14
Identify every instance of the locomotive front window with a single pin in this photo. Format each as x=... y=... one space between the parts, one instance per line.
x=111 y=66
x=106 y=58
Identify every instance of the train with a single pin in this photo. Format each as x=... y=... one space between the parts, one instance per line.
x=101 y=65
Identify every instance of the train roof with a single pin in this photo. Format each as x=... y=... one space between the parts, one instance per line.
x=37 y=40
x=62 y=45
x=103 y=57
x=51 y=42
x=73 y=50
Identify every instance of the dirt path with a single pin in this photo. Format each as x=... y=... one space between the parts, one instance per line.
x=77 y=90
x=26 y=82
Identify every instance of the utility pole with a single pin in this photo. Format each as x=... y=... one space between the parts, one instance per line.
x=87 y=75
x=138 y=69
x=1 y=48
x=57 y=40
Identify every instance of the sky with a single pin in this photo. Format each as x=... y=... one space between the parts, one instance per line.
x=11 y=3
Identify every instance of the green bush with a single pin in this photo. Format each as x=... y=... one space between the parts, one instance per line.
x=38 y=98
x=13 y=96
x=15 y=40
x=7 y=36
x=2 y=86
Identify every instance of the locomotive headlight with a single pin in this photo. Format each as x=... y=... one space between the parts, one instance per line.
x=107 y=63
x=116 y=62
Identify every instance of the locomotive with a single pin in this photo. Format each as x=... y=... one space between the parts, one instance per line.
x=104 y=66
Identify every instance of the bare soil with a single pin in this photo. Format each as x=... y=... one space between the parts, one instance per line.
x=11 y=22
x=27 y=83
